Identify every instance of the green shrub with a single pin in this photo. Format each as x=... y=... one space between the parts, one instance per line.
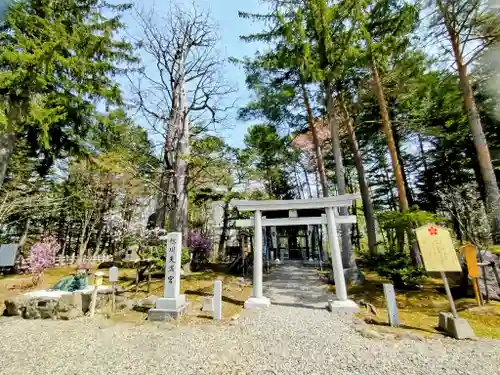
x=185 y=257
x=397 y=267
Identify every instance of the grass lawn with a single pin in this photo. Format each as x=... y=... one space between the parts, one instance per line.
x=194 y=286
x=419 y=310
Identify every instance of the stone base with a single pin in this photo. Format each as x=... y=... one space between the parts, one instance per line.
x=168 y=308
x=346 y=306
x=456 y=327
x=171 y=303
x=257 y=303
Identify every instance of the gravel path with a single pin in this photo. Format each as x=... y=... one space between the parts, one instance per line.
x=284 y=339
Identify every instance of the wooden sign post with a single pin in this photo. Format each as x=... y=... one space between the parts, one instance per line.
x=438 y=254
x=470 y=254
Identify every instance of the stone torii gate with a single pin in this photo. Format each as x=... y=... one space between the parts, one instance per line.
x=330 y=205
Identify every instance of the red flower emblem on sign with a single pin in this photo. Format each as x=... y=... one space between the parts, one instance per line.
x=433 y=231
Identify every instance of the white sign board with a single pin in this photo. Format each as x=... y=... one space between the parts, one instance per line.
x=392 y=307
x=173 y=265
x=113 y=274
x=8 y=253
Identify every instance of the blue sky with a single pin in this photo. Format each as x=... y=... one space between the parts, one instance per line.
x=225 y=14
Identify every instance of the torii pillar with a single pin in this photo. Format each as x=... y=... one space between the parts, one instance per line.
x=257 y=300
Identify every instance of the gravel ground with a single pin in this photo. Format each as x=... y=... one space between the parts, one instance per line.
x=284 y=339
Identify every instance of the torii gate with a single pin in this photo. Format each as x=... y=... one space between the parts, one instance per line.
x=330 y=204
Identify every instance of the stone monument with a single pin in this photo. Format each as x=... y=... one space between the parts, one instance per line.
x=173 y=303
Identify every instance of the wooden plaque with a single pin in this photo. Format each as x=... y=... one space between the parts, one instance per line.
x=470 y=254
x=436 y=247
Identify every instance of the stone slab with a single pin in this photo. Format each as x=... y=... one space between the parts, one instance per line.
x=257 y=303
x=162 y=315
x=346 y=306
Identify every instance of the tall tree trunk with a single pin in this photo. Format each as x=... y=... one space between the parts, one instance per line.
x=397 y=142
x=476 y=129
x=179 y=136
x=308 y=182
x=225 y=229
x=387 y=128
x=298 y=183
x=7 y=143
x=317 y=148
x=348 y=260
x=363 y=184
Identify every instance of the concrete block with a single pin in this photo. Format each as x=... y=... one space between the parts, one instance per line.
x=257 y=303
x=455 y=327
x=443 y=320
x=460 y=329
x=163 y=315
x=346 y=306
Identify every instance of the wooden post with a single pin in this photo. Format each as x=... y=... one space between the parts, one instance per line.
x=93 y=301
x=470 y=254
x=137 y=277
x=476 y=291
x=495 y=272
x=113 y=299
x=485 y=279
x=149 y=279
x=448 y=293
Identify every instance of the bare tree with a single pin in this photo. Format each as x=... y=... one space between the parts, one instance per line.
x=182 y=84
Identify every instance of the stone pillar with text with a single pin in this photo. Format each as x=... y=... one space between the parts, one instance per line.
x=173 y=303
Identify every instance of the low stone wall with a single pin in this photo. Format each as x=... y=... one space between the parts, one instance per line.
x=63 y=306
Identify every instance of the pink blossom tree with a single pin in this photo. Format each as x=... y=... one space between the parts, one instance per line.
x=42 y=256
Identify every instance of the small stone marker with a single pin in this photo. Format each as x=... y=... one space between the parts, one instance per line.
x=208 y=304
x=173 y=304
x=217 y=300
x=113 y=274
x=392 y=307
x=113 y=278
x=439 y=255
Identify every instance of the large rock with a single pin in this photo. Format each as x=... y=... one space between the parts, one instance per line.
x=15 y=306
x=491 y=281
x=31 y=311
x=71 y=314
x=70 y=306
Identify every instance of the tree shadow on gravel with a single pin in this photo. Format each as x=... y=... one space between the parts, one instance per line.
x=298 y=305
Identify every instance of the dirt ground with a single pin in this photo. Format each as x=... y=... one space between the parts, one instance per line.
x=419 y=310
